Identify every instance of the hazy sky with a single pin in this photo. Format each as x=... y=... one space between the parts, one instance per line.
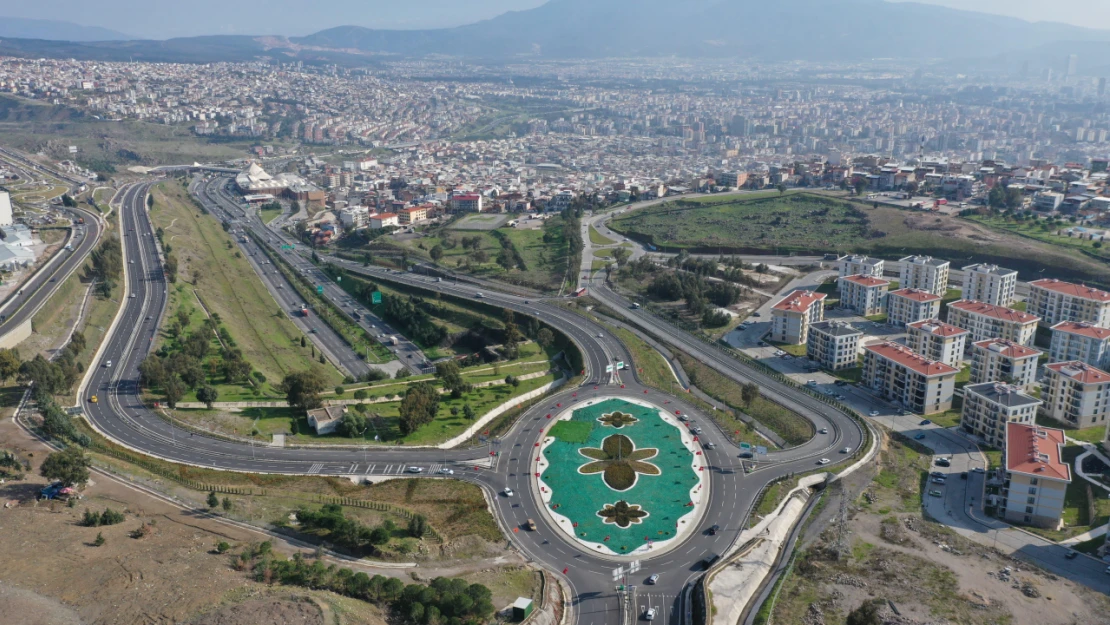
x=161 y=19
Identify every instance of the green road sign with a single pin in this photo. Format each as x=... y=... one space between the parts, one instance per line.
x=376 y=297
x=745 y=446
x=339 y=278
x=320 y=289
x=287 y=247
x=620 y=364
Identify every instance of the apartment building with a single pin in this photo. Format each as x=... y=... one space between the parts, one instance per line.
x=466 y=203
x=862 y=294
x=793 y=315
x=1037 y=478
x=1055 y=301
x=856 y=265
x=999 y=360
x=987 y=321
x=937 y=341
x=990 y=283
x=925 y=273
x=412 y=215
x=384 y=220
x=899 y=375
x=1076 y=394
x=833 y=344
x=988 y=407
x=1077 y=340
x=906 y=306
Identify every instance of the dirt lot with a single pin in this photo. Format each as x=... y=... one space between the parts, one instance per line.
x=53 y=573
x=929 y=573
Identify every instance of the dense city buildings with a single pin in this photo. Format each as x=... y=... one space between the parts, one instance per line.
x=1036 y=479
x=898 y=375
x=989 y=283
x=1055 y=301
x=987 y=321
x=924 y=273
x=989 y=407
x=863 y=294
x=937 y=341
x=906 y=306
x=999 y=360
x=834 y=345
x=792 y=317
x=1076 y=394
x=1077 y=340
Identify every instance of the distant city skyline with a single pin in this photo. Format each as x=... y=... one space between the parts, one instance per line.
x=296 y=18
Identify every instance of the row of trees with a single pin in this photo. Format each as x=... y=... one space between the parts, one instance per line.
x=106 y=265
x=418 y=408
x=351 y=535
x=50 y=377
x=409 y=314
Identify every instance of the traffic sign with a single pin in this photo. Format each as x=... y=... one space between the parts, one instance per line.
x=376 y=297
x=319 y=289
x=761 y=451
x=745 y=446
x=339 y=278
x=620 y=364
x=608 y=368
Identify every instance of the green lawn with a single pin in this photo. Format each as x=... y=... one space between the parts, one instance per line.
x=653 y=368
x=1079 y=499
x=269 y=214
x=1040 y=231
x=599 y=239
x=572 y=431
x=963 y=377
x=229 y=286
x=879 y=318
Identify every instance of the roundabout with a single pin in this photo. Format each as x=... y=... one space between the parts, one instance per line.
x=621 y=476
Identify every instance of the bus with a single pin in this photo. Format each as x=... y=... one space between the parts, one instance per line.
x=580 y=291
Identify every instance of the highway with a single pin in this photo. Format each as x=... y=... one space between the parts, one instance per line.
x=121 y=415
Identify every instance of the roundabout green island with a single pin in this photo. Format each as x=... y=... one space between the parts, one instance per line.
x=621 y=476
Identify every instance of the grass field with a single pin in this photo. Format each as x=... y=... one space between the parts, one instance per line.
x=599 y=239
x=1040 y=231
x=809 y=223
x=229 y=286
x=653 y=368
x=54 y=319
x=269 y=214
x=571 y=431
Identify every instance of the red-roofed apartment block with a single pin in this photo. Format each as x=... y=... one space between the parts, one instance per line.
x=999 y=360
x=897 y=374
x=938 y=341
x=863 y=294
x=1037 y=477
x=1076 y=393
x=1079 y=340
x=1055 y=301
x=906 y=306
x=987 y=321
x=791 y=317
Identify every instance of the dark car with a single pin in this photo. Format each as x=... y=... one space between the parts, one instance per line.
x=1071 y=555
x=712 y=531
x=963 y=476
x=709 y=560
x=925 y=422
x=840 y=383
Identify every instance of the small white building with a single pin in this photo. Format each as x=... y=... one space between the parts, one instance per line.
x=384 y=220
x=6 y=216
x=325 y=420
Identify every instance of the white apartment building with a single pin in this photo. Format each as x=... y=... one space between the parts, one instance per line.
x=925 y=273
x=906 y=306
x=354 y=216
x=1037 y=478
x=862 y=294
x=987 y=321
x=793 y=315
x=990 y=283
x=1077 y=340
x=1077 y=394
x=899 y=375
x=6 y=217
x=999 y=360
x=384 y=220
x=937 y=341
x=988 y=407
x=1055 y=301
x=833 y=344
x=856 y=265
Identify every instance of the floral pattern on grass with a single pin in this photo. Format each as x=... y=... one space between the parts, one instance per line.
x=622 y=514
x=618 y=419
x=619 y=462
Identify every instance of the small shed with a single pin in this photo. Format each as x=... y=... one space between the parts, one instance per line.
x=522 y=608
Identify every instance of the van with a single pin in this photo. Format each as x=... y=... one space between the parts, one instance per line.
x=531 y=525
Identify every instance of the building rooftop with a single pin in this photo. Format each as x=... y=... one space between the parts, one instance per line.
x=835 y=328
x=990 y=310
x=924 y=260
x=1002 y=394
x=1074 y=290
x=866 y=281
x=1083 y=329
x=1008 y=349
x=916 y=295
x=907 y=358
x=860 y=259
x=1035 y=450
x=936 y=327
x=799 y=301
x=1080 y=372
x=991 y=269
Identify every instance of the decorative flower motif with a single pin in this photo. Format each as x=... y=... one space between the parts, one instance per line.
x=622 y=514
x=618 y=419
x=619 y=461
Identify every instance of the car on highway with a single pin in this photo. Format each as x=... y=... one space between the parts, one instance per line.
x=479 y=295
x=824 y=430
x=415 y=469
x=936 y=493
x=709 y=560
x=874 y=413
x=650 y=614
x=108 y=364
x=925 y=422
x=683 y=417
x=508 y=492
x=653 y=579
x=823 y=461
x=918 y=437
x=1071 y=554
x=811 y=382
x=712 y=531
x=446 y=471
x=531 y=525
x=846 y=450
x=93 y=399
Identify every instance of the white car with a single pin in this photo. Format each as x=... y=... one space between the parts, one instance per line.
x=824 y=430
x=508 y=492
x=811 y=383
x=874 y=413
x=108 y=364
x=823 y=461
x=446 y=471
x=415 y=469
x=846 y=450
x=650 y=614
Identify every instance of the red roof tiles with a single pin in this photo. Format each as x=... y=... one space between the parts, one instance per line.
x=799 y=301
x=937 y=328
x=990 y=310
x=1074 y=290
x=863 y=280
x=917 y=295
x=1008 y=349
x=907 y=358
x=1080 y=372
x=1083 y=329
x=1035 y=450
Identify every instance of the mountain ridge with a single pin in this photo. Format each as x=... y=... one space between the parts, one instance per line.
x=57 y=30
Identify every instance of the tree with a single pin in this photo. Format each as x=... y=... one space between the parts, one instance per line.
x=302 y=390
x=173 y=389
x=749 y=392
x=468 y=412
x=69 y=466
x=208 y=395
x=339 y=390
x=545 y=338
x=419 y=407
x=621 y=255
x=213 y=500
x=68 y=201
x=859 y=185
x=436 y=253
x=865 y=614
x=99 y=539
x=9 y=363
x=226 y=504
x=781 y=187
x=360 y=394
x=418 y=526
x=352 y=424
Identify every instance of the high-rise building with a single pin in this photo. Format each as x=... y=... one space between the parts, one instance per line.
x=906 y=306
x=857 y=265
x=1055 y=301
x=925 y=273
x=792 y=316
x=937 y=341
x=833 y=344
x=999 y=360
x=986 y=321
x=1075 y=340
x=1073 y=64
x=863 y=294
x=1077 y=394
x=989 y=407
x=990 y=283
x=1037 y=477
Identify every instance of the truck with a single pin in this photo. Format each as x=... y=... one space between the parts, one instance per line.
x=304 y=311
x=580 y=291
x=392 y=340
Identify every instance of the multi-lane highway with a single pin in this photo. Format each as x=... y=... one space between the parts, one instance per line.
x=121 y=415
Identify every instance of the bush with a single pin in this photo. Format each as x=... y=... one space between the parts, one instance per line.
x=222 y=546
